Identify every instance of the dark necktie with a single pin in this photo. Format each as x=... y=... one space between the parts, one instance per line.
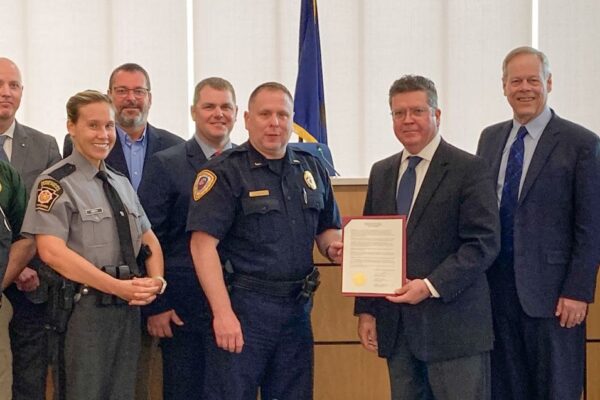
x=406 y=188
x=122 y=220
x=510 y=194
x=3 y=155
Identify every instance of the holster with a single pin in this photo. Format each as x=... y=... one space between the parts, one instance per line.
x=310 y=285
x=141 y=258
x=60 y=304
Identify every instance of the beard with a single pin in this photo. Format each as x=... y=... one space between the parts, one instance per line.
x=128 y=121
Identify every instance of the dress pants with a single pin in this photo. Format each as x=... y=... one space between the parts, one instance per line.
x=184 y=363
x=534 y=358
x=465 y=378
x=29 y=344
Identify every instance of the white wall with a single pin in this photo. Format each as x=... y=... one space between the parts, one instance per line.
x=64 y=46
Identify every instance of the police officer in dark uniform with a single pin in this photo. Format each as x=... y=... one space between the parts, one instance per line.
x=257 y=211
x=15 y=253
x=86 y=220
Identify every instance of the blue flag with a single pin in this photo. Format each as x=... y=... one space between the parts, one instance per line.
x=309 y=103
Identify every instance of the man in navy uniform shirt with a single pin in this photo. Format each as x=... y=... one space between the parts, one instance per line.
x=258 y=210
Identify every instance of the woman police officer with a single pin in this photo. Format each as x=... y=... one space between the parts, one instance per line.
x=72 y=218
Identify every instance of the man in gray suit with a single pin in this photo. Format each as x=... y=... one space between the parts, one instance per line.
x=436 y=331
x=30 y=152
x=547 y=175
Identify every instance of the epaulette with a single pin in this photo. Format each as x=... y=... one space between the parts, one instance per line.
x=63 y=171
x=300 y=150
x=111 y=169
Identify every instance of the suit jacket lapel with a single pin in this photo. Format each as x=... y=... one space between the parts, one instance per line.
x=153 y=145
x=21 y=141
x=388 y=183
x=499 y=145
x=153 y=142
x=116 y=158
x=544 y=148
x=435 y=173
x=195 y=155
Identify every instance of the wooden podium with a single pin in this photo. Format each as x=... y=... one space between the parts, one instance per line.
x=343 y=369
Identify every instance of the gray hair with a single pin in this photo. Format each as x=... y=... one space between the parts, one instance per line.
x=526 y=50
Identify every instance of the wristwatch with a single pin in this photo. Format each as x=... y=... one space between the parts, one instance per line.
x=164 y=284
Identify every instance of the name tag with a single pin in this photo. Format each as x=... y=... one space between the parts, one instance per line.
x=258 y=193
x=94 y=211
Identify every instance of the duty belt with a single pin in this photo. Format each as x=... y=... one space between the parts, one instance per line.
x=302 y=289
x=104 y=299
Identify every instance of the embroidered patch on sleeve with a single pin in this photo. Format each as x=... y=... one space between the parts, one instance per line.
x=47 y=192
x=205 y=180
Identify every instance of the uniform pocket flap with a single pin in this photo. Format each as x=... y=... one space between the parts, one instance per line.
x=260 y=205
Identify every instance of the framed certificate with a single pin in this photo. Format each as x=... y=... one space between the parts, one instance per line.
x=374 y=255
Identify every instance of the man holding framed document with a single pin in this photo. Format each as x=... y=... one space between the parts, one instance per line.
x=436 y=329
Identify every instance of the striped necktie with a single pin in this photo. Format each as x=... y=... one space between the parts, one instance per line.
x=510 y=194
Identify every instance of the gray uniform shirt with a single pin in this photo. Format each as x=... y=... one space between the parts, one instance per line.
x=75 y=209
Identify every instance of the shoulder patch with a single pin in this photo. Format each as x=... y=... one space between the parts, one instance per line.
x=205 y=180
x=48 y=191
x=61 y=172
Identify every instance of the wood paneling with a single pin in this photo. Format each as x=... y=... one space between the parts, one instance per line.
x=332 y=316
x=593 y=320
x=349 y=372
x=593 y=371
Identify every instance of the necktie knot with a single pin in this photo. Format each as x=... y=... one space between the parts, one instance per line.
x=413 y=161
x=103 y=176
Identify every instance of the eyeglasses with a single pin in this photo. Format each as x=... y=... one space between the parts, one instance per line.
x=138 y=92
x=417 y=112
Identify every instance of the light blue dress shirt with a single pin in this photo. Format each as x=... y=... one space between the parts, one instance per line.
x=135 y=153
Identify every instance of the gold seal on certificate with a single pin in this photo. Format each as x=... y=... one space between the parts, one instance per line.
x=359 y=279
x=374 y=255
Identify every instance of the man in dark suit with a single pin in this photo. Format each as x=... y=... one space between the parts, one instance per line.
x=547 y=174
x=181 y=317
x=436 y=331
x=30 y=152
